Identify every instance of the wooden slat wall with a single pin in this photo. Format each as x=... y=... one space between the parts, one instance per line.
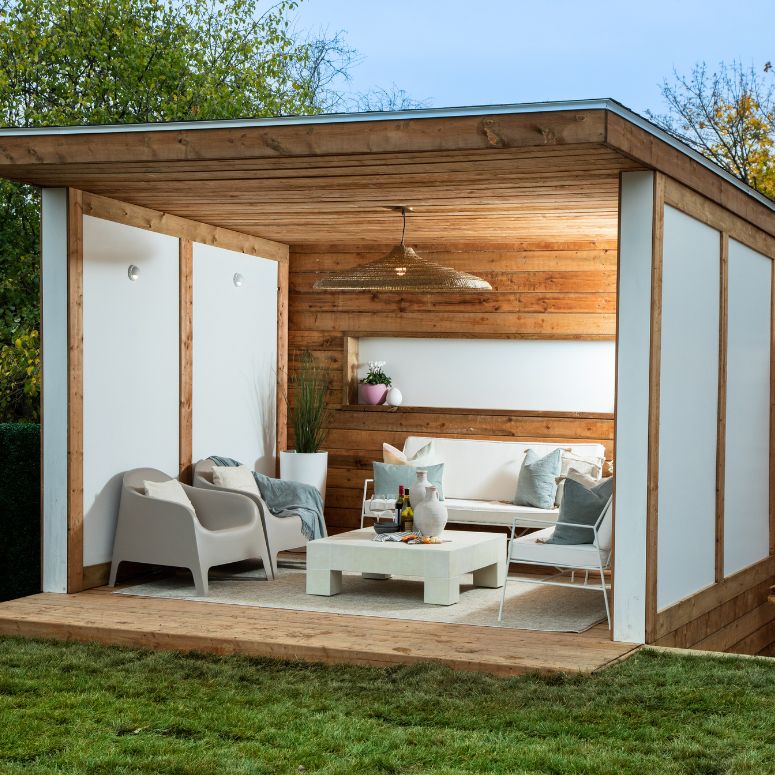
x=733 y=614
x=540 y=290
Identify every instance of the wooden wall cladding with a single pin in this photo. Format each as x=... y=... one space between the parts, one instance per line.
x=733 y=615
x=541 y=290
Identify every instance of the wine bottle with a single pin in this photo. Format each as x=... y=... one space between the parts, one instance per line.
x=399 y=505
x=407 y=513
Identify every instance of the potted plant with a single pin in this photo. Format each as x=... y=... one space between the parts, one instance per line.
x=373 y=388
x=308 y=418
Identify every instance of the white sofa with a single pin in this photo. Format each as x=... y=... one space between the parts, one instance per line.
x=480 y=479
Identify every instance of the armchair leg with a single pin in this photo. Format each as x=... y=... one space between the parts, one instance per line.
x=200 y=580
x=113 y=572
x=266 y=561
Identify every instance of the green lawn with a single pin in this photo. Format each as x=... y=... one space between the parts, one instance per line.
x=68 y=708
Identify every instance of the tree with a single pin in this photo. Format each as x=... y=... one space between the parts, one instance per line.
x=727 y=115
x=121 y=61
x=391 y=98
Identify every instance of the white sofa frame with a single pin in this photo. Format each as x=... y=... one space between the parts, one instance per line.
x=529 y=519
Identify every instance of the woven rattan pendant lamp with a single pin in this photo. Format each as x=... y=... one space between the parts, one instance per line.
x=402 y=270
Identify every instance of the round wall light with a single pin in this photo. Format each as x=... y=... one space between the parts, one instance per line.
x=238 y=279
x=133 y=273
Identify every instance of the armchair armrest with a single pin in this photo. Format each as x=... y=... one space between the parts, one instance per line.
x=221 y=509
x=154 y=530
x=139 y=510
x=366 y=483
x=549 y=523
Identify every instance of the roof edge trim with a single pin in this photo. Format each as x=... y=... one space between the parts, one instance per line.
x=402 y=115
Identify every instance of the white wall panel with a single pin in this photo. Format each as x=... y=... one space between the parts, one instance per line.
x=54 y=404
x=555 y=375
x=688 y=408
x=130 y=379
x=632 y=408
x=235 y=357
x=747 y=458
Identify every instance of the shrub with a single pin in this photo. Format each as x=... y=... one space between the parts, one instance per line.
x=19 y=509
x=20 y=378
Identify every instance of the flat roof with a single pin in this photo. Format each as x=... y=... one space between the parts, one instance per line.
x=400 y=115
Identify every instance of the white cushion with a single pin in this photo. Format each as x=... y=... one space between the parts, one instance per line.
x=235 y=478
x=425 y=456
x=591 y=465
x=533 y=548
x=487 y=470
x=474 y=512
x=171 y=490
x=589 y=481
x=604 y=532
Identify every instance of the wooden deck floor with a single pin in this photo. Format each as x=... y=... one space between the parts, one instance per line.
x=101 y=617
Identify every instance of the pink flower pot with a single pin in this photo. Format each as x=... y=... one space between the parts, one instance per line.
x=372 y=394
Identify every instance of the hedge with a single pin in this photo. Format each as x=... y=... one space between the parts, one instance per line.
x=19 y=510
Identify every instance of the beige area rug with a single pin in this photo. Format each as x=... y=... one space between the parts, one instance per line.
x=528 y=606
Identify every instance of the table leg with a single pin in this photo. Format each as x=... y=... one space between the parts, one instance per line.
x=442 y=591
x=324 y=582
x=492 y=576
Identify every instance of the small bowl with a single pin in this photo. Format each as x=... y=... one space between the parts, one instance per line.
x=385 y=527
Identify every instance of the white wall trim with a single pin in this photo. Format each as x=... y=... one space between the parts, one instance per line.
x=53 y=288
x=632 y=405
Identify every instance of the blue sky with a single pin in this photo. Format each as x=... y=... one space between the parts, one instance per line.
x=459 y=52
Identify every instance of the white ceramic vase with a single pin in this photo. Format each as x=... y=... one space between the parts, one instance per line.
x=430 y=516
x=419 y=490
x=307 y=467
x=394 y=397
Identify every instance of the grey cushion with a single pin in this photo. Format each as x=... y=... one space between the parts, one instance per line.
x=581 y=506
x=388 y=477
x=537 y=482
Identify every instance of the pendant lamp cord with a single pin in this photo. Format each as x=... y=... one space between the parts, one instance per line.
x=403 y=230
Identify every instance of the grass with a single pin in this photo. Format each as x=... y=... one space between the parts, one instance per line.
x=70 y=708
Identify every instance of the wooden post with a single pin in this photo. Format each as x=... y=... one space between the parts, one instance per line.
x=186 y=333
x=772 y=409
x=281 y=434
x=652 y=510
x=74 y=390
x=722 y=403
x=350 y=391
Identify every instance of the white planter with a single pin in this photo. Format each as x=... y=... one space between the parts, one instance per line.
x=307 y=467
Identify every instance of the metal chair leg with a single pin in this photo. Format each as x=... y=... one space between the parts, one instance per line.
x=605 y=592
x=503 y=595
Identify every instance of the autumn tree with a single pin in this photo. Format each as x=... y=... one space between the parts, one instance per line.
x=727 y=115
x=122 y=61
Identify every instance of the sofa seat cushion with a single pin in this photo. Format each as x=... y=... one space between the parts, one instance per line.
x=496 y=513
x=532 y=548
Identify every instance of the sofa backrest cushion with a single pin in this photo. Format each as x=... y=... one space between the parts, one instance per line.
x=487 y=470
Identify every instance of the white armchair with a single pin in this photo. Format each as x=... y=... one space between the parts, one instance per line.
x=593 y=557
x=226 y=527
x=281 y=533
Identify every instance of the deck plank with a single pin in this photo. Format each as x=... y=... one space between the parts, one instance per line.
x=101 y=617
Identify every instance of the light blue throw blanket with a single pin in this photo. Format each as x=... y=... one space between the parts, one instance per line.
x=288 y=499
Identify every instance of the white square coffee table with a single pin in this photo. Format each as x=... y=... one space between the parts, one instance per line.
x=439 y=565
